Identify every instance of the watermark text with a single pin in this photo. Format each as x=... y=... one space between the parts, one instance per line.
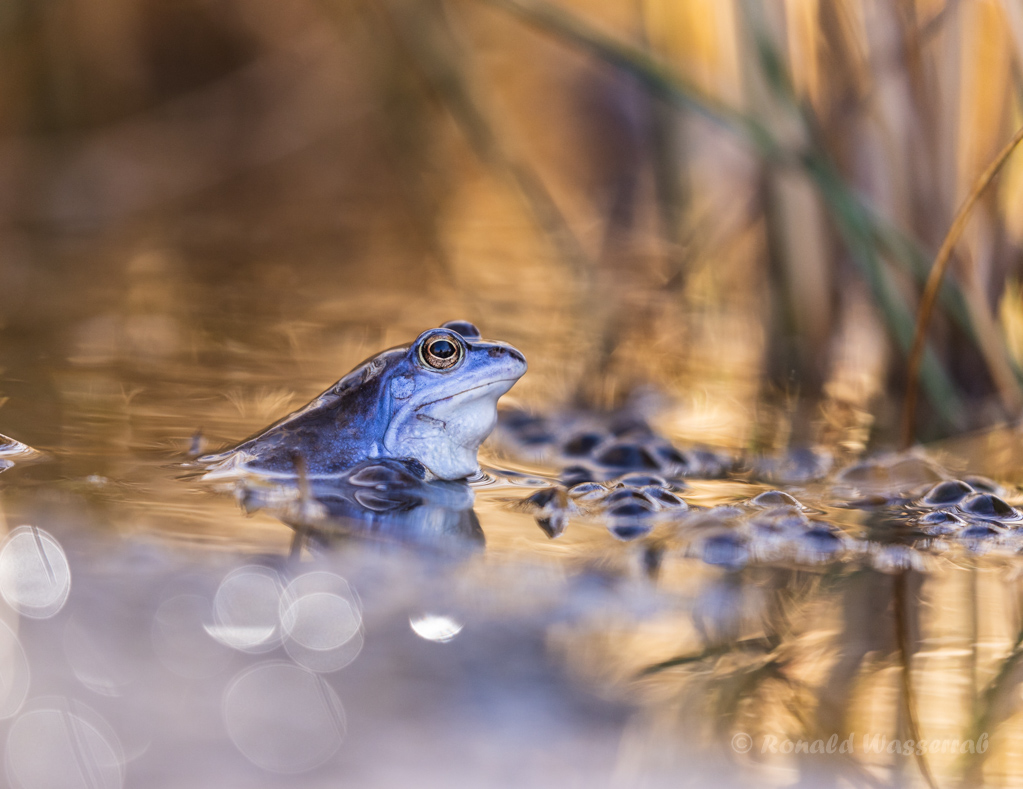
x=857 y=743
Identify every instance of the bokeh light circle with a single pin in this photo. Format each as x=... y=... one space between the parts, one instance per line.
x=14 y=673
x=322 y=619
x=35 y=578
x=246 y=610
x=283 y=718
x=67 y=746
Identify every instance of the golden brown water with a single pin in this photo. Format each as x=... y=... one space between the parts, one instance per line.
x=536 y=662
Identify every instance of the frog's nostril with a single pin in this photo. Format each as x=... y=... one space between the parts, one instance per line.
x=501 y=350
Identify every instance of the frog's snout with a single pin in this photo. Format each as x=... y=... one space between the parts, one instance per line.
x=508 y=359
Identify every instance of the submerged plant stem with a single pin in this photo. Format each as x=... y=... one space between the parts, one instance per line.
x=764 y=644
x=900 y=604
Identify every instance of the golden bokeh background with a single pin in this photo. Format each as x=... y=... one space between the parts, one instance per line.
x=732 y=203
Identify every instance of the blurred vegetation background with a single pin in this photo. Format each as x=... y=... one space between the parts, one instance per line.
x=733 y=203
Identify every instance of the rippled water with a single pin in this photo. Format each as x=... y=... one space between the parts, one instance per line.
x=163 y=631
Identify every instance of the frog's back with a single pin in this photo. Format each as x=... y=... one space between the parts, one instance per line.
x=335 y=431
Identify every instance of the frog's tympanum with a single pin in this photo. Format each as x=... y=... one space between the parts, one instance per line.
x=432 y=402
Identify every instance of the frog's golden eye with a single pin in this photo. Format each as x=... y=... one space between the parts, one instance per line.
x=441 y=352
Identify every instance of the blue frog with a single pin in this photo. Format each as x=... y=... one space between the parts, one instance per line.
x=431 y=403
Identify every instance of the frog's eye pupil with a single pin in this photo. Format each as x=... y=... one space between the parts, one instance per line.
x=441 y=353
x=443 y=349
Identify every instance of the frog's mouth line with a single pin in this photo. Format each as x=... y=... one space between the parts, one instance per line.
x=470 y=389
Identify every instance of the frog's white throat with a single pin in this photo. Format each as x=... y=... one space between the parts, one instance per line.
x=445 y=434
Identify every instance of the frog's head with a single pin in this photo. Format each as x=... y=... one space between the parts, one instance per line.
x=444 y=393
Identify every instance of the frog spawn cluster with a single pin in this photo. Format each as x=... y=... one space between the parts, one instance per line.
x=604 y=450
x=969 y=511
x=632 y=504
x=634 y=480
x=772 y=526
x=619 y=469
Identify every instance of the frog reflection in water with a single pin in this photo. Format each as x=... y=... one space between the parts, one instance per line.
x=12 y=451
x=431 y=403
x=382 y=500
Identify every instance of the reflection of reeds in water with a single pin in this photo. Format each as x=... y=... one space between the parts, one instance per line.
x=736 y=201
x=794 y=655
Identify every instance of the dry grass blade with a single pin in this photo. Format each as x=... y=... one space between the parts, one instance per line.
x=934 y=281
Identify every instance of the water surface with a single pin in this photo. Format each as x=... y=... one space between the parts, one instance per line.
x=159 y=634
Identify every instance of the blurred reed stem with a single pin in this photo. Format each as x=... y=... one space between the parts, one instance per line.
x=860 y=227
x=421 y=30
x=649 y=71
x=856 y=232
x=1011 y=392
